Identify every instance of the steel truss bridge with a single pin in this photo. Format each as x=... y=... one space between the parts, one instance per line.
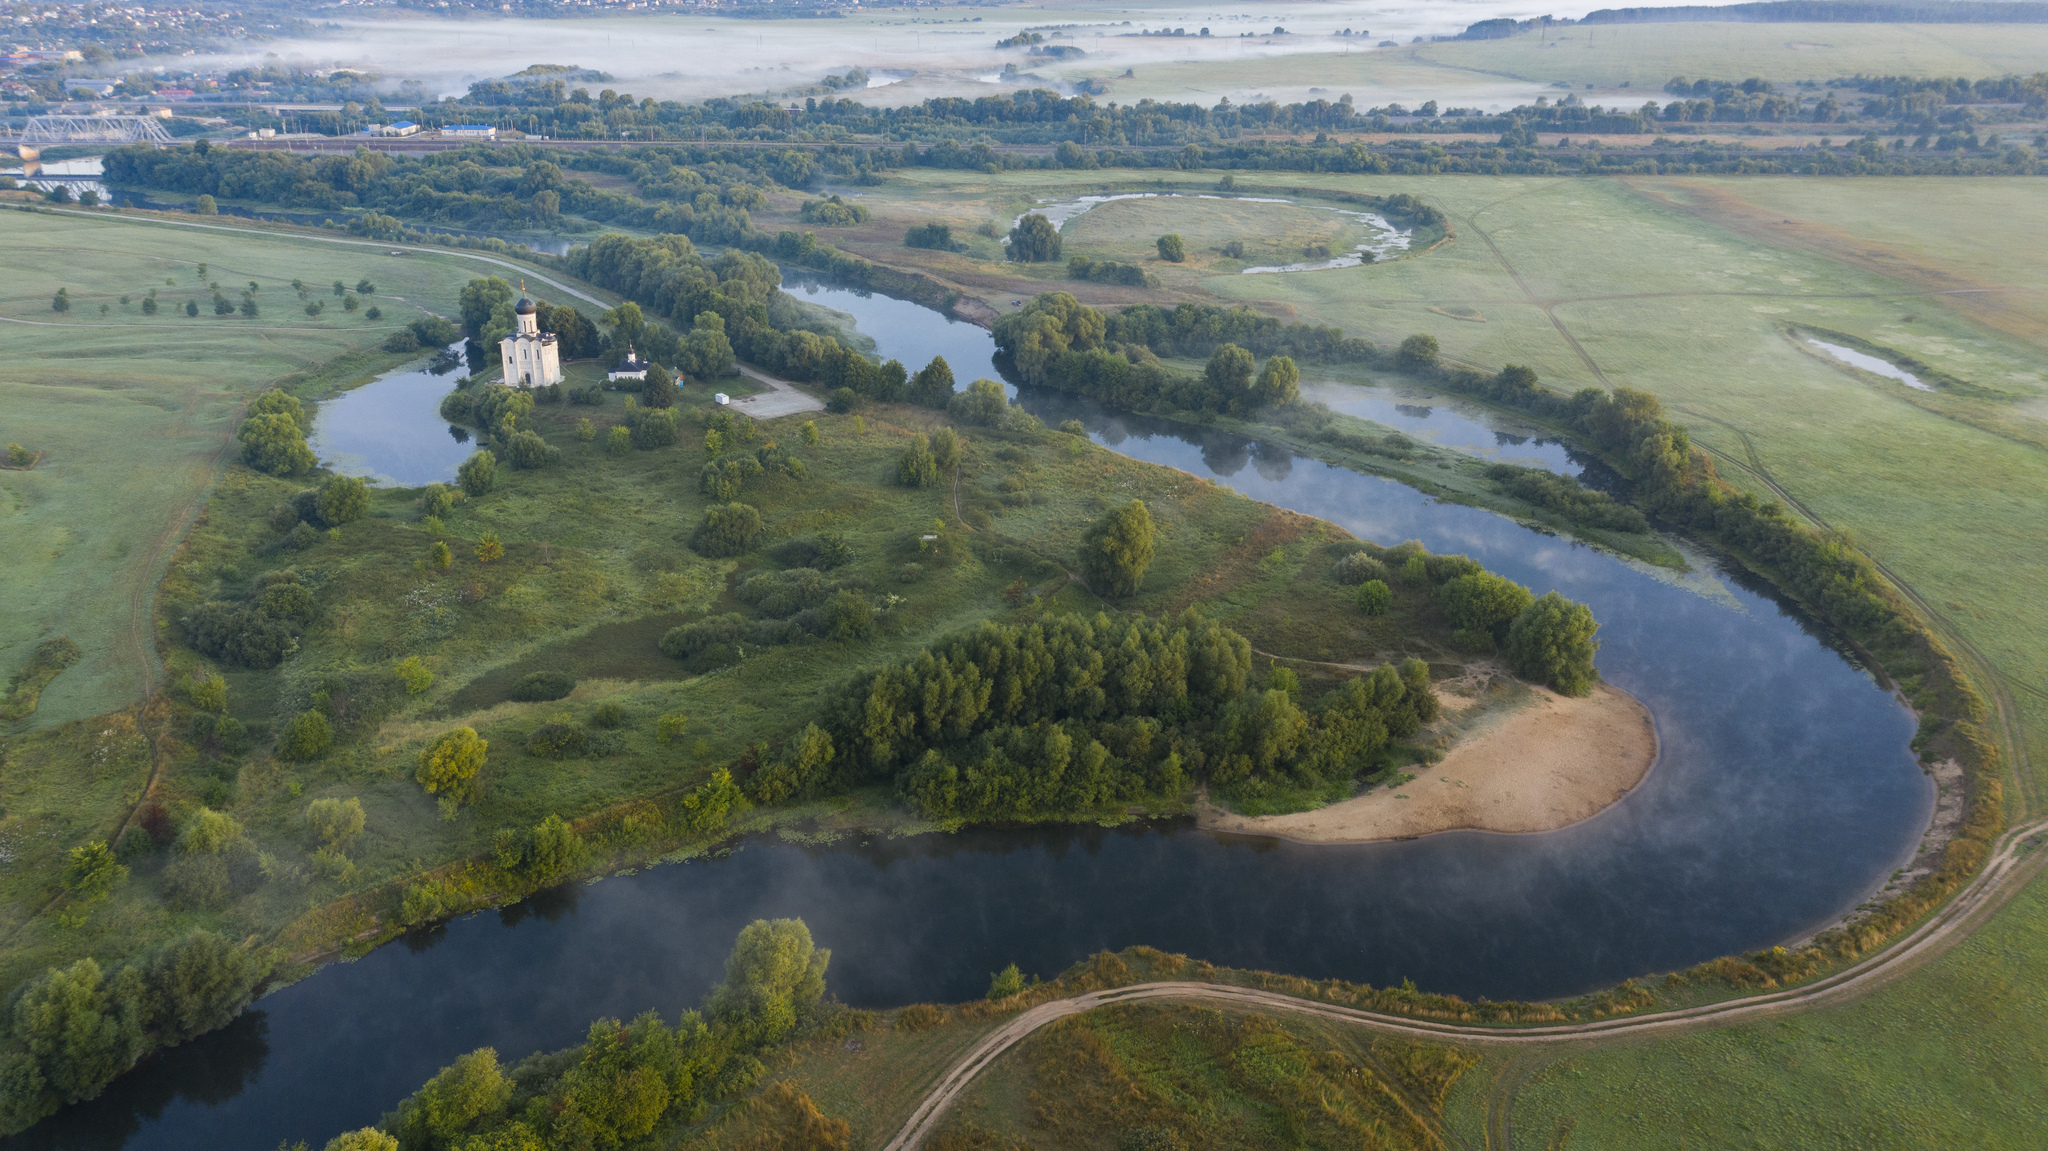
x=48 y=130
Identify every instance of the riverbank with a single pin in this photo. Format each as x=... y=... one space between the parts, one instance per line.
x=1547 y=763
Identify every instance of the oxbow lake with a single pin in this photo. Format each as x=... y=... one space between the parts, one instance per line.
x=1785 y=793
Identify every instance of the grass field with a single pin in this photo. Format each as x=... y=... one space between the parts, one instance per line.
x=133 y=410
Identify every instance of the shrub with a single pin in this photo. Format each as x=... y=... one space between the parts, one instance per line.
x=450 y=764
x=982 y=403
x=671 y=727
x=1034 y=240
x=1172 y=249
x=197 y=883
x=438 y=500
x=1358 y=568
x=1005 y=983
x=402 y=341
x=527 y=451
x=542 y=686
x=305 y=736
x=412 y=671
x=478 y=474
x=209 y=693
x=917 y=468
x=273 y=442
x=489 y=549
x=1417 y=353
x=335 y=822
x=618 y=442
x=920 y=1017
x=1375 y=597
x=842 y=401
x=342 y=500
x=1483 y=603
x=556 y=739
x=726 y=530
x=934 y=235
x=608 y=715
x=652 y=428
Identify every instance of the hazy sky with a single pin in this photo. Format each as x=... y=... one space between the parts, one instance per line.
x=929 y=52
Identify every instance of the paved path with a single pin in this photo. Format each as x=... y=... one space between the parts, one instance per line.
x=2011 y=866
x=781 y=399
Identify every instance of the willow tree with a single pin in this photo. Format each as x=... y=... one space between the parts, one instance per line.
x=1118 y=548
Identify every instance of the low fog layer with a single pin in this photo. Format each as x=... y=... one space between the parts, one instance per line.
x=911 y=56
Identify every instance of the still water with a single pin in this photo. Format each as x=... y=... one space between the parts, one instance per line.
x=376 y=431
x=1785 y=792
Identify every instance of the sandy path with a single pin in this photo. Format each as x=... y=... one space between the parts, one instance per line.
x=1540 y=767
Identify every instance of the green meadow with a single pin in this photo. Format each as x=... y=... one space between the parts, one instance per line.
x=132 y=410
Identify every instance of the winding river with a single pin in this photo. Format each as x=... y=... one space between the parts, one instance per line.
x=1785 y=793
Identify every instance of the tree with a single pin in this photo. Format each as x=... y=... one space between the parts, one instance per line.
x=774 y=977
x=946 y=449
x=277 y=401
x=305 y=736
x=808 y=433
x=248 y=308
x=365 y=288
x=1481 y=606
x=61 y=302
x=191 y=307
x=726 y=530
x=371 y=1139
x=619 y=442
x=1034 y=240
x=478 y=474
x=526 y=451
x=706 y=353
x=1418 y=353
x=273 y=443
x=659 y=390
x=202 y=982
x=1005 y=983
x=342 y=500
x=335 y=822
x=1229 y=373
x=932 y=386
x=450 y=764
x=465 y=1095
x=933 y=235
x=90 y=198
x=585 y=430
x=1552 y=642
x=440 y=556
x=917 y=468
x=1279 y=383
x=983 y=403
x=1375 y=597
x=92 y=873
x=340 y=289
x=205 y=206
x=209 y=832
x=1172 y=249
x=1116 y=549
x=77 y=1030
x=489 y=549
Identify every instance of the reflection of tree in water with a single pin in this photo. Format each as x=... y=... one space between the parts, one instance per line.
x=1272 y=461
x=459 y=433
x=208 y=1071
x=1415 y=411
x=1508 y=440
x=421 y=939
x=549 y=905
x=1226 y=455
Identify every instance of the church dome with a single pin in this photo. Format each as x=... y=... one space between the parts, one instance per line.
x=524 y=307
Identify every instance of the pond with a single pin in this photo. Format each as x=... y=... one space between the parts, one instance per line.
x=1382 y=239
x=1785 y=792
x=1870 y=363
x=376 y=431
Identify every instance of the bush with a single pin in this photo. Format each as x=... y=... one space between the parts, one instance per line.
x=542 y=686
x=1172 y=249
x=1418 y=353
x=1034 y=240
x=934 y=235
x=305 y=736
x=842 y=401
x=412 y=671
x=1358 y=567
x=402 y=341
x=1375 y=597
x=983 y=403
x=335 y=823
x=608 y=715
x=198 y=883
x=556 y=740
x=438 y=500
x=273 y=442
x=342 y=500
x=1005 y=983
x=478 y=474
x=618 y=442
x=527 y=451
x=920 y=1017
x=652 y=427
x=726 y=530
x=451 y=763
x=917 y=468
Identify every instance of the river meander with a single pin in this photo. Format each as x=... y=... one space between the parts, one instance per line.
x=1785 y=793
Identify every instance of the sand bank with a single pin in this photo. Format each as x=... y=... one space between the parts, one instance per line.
x=1544 y=765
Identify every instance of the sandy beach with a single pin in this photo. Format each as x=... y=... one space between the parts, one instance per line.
x=1544 y=765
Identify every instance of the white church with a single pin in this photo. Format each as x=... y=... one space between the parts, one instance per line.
x=529 y=354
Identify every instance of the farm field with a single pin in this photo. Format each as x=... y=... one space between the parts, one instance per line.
x=134 y=410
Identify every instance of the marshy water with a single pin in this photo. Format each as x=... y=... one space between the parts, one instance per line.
x=1785 y=792
x=375 y=431
x=1870 y=363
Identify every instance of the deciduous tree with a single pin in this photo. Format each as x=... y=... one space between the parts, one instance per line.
x=1117 y=549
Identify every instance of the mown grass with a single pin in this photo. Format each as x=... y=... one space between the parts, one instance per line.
x=132 y=410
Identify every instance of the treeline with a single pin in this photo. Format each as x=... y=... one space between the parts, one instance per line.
x=70 y=1031
x=1831 y=12
x=1067 y=716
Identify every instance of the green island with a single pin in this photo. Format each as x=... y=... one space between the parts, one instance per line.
x=265 y=711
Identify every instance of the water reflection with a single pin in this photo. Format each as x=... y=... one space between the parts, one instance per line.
x=384 y=430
